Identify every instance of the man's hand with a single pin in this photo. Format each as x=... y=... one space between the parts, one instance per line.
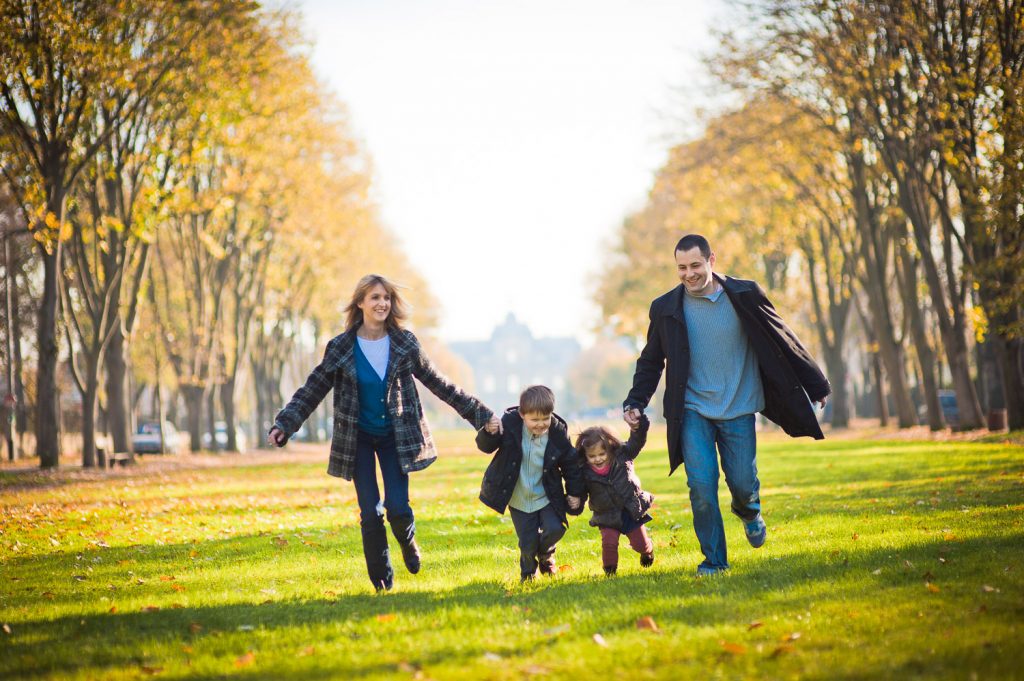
x=574 y=502
x=632 y=418
x=493 y=426
x=821 y=402
x=277 y=437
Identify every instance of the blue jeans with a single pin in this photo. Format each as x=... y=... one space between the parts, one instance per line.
x=396 y=483
x=737 y=447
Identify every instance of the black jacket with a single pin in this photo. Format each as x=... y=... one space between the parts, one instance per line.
x=788 y=374
x=620 y=489
x=503 y=472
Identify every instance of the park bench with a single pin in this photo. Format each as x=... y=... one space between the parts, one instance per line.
x=106 y=456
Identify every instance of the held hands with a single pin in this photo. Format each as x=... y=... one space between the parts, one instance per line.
x=493 y=426
x=574 y=502
x=632 y=418
x=277 y=437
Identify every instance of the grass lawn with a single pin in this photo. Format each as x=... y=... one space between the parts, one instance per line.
x=884 y=559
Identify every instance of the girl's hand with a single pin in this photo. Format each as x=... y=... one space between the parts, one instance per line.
x=276 y=437
x=574 y=502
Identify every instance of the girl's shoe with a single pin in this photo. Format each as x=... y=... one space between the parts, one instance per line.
x=647 y=559
x=609 y=570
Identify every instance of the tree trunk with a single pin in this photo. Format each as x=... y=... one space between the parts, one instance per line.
x=47 y=398
x=193 y=395
x=116 y=367
x=227 y=405
x=89 y=415
x=1009 y=353
x=923 y=349
x=20 y=408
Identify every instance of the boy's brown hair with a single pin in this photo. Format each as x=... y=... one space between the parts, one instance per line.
x=597 y=435
x=537 y=398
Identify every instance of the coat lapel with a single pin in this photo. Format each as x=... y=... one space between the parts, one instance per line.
x=400 y=347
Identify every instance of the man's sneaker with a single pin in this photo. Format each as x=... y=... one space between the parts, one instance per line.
x=709 y=570
x=756 y=531
x=647 y=559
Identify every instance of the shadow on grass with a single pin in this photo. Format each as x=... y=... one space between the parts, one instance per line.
x=368 y=626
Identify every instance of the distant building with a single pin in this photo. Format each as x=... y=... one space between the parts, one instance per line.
x=513 y=359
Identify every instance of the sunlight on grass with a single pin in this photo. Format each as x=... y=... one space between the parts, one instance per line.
x=884 y=559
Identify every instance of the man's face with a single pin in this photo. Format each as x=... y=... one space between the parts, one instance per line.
x=536 y=422
x=695 y=272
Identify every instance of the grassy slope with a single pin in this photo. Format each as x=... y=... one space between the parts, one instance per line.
x=884 y=559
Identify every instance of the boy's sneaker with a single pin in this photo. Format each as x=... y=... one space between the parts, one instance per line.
x=647 y=559
x=523 y=579
x=547 y=565
x=756 y=531
x=709 y=570
x=609 y=570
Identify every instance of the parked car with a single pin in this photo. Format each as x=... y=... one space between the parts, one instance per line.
x=949 y=406
x=220 y=434
x=147 y=439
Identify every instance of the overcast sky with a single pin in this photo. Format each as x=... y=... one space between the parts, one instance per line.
x=511 y=138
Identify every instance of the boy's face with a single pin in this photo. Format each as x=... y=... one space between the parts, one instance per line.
x=536 y=422
x=596 y=455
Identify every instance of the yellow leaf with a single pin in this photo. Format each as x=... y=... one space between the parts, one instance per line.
x=386 y=617
x=732 y=648
x=931 y=587
x=647 y=622
x=246 y=660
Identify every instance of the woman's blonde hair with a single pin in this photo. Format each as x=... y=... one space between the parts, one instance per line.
x=354 y=316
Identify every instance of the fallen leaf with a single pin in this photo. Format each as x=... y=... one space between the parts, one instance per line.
x=647 y=622
x=790 y=637
x=386 y=617
x=754 y=625
x=855 y=536
x=599 y=640
x=989 y=589
x=407 y=668
x=195 y=627
x=535 y=669
x=187 y=650
x=877 y=572
x=246 y=660
x=491 y=657
x=113 y=609
x=48 y=594
x=79 y=578
x=931 y=587
x=7 y=629
x=307 y=651
x=556 y=631
x=280 y=541
x=783 y=649
x=150 y=608
x=151 y=670
x=732 y=648
x=245 y=627
x=565 y=568
x=948 y=536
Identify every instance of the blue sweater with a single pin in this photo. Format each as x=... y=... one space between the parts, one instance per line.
x=373 y=408
x=724 y=381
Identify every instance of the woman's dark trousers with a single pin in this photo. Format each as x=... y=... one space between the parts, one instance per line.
x=371 y=449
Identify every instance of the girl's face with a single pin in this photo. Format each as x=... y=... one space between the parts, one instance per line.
x=376 y=305
x=597 y=455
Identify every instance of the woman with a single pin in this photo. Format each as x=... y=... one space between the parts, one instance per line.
x=377 y=411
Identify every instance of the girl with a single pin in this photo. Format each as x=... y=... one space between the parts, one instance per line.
x=378 y=417
x=619 y=504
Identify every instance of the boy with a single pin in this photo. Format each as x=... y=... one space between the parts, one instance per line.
x=534 y=456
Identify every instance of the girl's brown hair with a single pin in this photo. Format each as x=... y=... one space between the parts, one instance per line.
x=354 y=316
x=597 y=435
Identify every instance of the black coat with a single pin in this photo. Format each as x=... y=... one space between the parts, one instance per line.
x=620 y=489
x=788 y=374
x=503 y=472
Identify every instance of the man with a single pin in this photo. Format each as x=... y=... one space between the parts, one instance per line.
x=727 y=355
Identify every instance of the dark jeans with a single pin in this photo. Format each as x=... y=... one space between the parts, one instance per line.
x=538 y=533
x=396 y=483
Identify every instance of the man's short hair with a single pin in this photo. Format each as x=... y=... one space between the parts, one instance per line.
x=695 y=241
x=537 y=398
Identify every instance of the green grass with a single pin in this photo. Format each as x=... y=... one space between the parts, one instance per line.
x=884 y=560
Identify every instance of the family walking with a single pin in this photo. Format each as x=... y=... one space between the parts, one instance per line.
x=726 y=355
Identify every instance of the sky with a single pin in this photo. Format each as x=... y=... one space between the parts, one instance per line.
x=510 y=139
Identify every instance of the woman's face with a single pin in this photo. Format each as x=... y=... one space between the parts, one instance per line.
x=376 y=304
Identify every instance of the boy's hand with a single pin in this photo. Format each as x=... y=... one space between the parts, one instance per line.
x=493 y=426
x=574 y=502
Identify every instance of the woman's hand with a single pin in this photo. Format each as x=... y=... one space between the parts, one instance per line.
x=493 y=426
x=277 y=437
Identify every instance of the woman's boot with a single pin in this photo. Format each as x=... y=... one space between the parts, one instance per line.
x=404 y=528
x=378 y=559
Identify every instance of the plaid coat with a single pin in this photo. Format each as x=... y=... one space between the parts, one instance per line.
x=412 y=435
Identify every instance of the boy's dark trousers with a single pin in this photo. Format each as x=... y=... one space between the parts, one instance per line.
x=538 y=533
